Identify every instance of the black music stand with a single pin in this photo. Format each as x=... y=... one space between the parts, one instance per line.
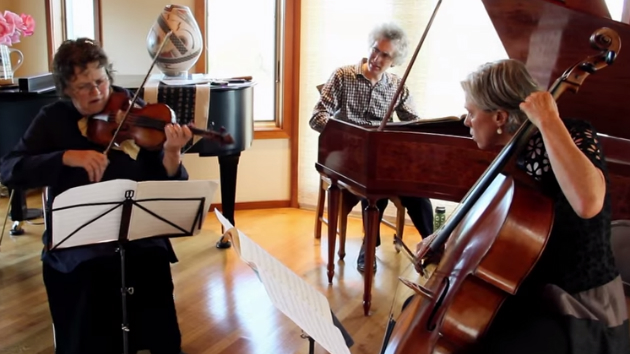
x=199 y=206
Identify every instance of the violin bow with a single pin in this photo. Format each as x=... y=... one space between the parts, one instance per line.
x=135 y=96
x=391 y=322
x=390 y=109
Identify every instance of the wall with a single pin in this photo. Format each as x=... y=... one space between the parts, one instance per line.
x=264 y=169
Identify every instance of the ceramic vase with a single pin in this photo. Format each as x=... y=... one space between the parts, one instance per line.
x=184 y=46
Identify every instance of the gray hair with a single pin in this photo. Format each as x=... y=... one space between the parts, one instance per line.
x=396 y=35
x=501 y=85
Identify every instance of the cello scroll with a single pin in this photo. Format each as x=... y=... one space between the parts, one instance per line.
x=604 y=39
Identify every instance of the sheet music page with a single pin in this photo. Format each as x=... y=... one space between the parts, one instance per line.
x=423 y=121
x=178 y=212
x=104 y=229
x=292 y=295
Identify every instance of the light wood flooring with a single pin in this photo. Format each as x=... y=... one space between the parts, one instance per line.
x=222 y=306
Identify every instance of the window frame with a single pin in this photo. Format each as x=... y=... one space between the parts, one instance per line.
x=98 y=23
x=287 y=100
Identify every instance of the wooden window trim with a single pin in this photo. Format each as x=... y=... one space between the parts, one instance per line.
x=282 y=128
x=53 y=18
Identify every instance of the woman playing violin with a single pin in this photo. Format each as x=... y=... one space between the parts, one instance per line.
x=83 y=284
x=573 y=301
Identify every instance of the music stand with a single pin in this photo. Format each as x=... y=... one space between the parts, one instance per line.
x=112 y=213
x=290 y=294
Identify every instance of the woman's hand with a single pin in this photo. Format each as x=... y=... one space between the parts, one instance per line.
x=176 y=137
x=92 y=161
x=425 y=255
x=541 y=108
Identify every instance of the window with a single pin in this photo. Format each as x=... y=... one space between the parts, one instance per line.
x=244 y=38
x=615 y=7
x=80 y=19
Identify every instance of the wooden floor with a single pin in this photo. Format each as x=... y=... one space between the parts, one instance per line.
x=221 y=304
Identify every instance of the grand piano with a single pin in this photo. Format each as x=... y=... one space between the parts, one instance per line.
x=441 y=161
x=230 y=107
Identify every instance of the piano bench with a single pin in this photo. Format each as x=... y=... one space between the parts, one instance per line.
x=347 y=201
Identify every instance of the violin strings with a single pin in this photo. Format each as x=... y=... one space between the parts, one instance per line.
x=142 y=121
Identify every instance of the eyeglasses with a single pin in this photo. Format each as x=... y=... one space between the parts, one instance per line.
x=378 y=52
x=86 y=88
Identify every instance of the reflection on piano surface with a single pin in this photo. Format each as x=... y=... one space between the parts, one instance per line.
x=441 y=161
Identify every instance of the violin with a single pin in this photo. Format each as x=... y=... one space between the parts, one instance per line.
x=145 y=126
x=495 y=238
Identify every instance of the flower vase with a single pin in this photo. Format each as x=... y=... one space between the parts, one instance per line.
x=6 y=68
x=184 y=46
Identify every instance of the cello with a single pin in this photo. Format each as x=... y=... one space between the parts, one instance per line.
x=495 y=238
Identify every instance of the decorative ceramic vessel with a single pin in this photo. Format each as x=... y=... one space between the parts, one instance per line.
x=183 y=48
x=6 y=68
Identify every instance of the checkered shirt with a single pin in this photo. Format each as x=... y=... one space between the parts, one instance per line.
x=357 y=101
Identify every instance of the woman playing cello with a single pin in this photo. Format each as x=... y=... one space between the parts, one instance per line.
x=573 y=301
x=83 y=284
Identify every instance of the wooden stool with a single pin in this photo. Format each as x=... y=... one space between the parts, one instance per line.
x=347 y=201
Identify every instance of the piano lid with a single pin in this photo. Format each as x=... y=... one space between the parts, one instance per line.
x=549 y=37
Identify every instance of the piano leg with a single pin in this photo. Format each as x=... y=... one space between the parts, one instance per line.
x=228 y=168
x=370 y=215
x=20 y=213
x=334 y=194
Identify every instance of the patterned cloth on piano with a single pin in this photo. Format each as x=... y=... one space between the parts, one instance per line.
x=190 y=102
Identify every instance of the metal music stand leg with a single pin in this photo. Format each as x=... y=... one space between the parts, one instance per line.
x=311 y=342
x=124 y=291
x=122 y=240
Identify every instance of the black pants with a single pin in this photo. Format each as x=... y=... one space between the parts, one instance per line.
x=86 y=305
x=420 y=212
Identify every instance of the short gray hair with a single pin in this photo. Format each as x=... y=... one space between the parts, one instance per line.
x=501 y=85
x=396 y=35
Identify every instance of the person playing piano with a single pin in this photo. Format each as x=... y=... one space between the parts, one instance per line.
x=573 y=301
x=83 y=283
x=361 y=94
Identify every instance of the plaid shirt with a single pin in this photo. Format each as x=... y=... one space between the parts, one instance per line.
x=357 y=101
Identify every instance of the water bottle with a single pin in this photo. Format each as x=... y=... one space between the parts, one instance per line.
x=440 y=218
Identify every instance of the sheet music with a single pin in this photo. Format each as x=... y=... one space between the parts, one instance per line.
x=181 y=213
x=293 y=296
x=106 y=228
x=423 y=121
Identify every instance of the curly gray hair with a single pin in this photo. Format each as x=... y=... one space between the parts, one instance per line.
x=396 y=35
x=501 y=85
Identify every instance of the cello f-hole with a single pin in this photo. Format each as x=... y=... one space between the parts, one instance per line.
x=431 y=322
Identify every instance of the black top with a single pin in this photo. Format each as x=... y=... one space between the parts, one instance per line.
x=36 y=161
x=578 y=255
